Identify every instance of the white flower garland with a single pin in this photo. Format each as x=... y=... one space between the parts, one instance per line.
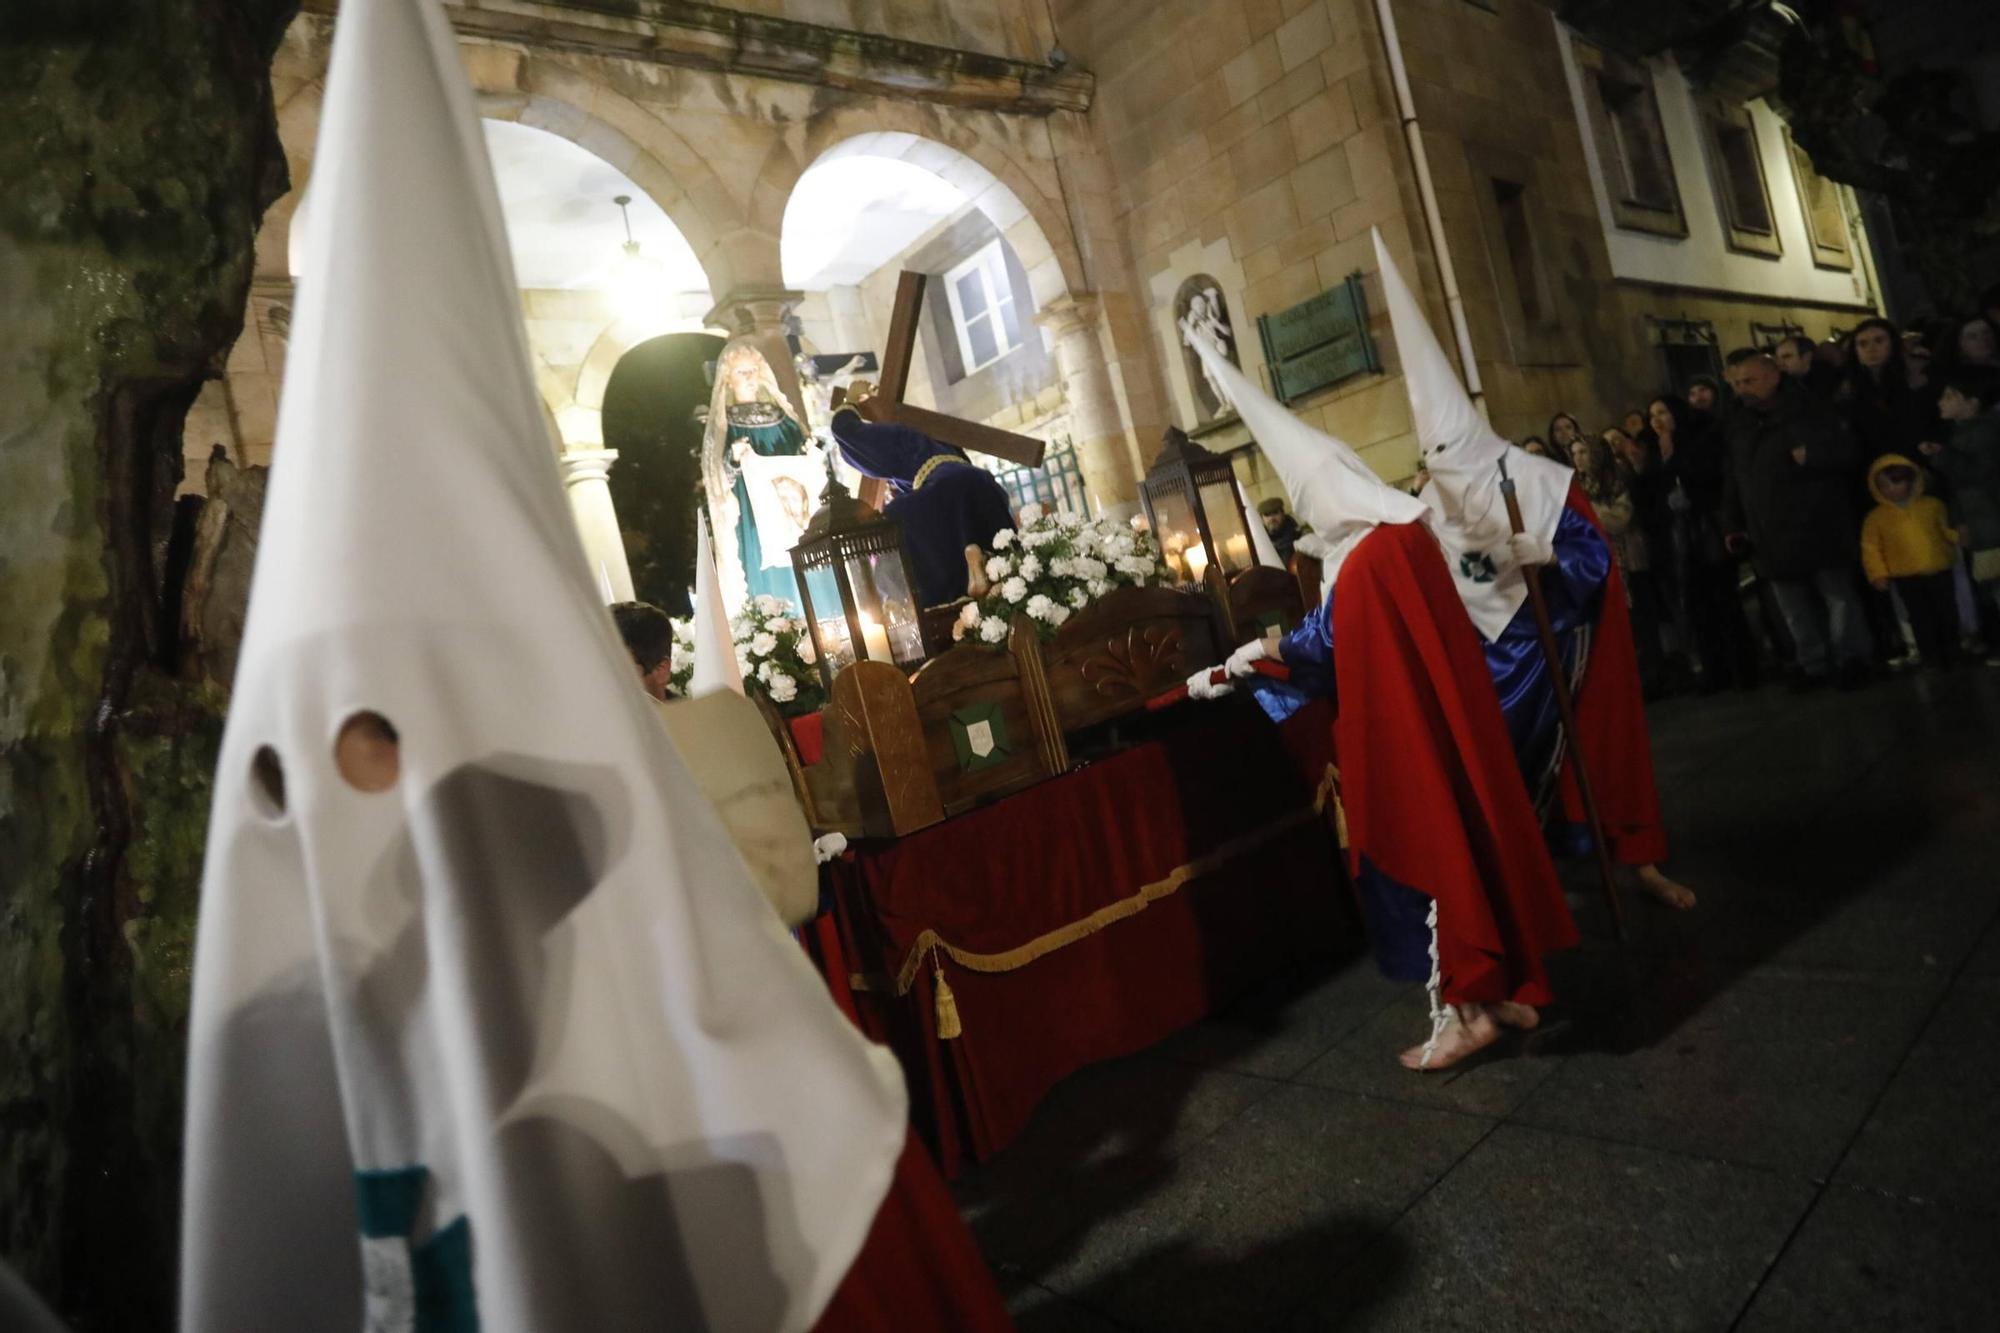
x=1052 y=568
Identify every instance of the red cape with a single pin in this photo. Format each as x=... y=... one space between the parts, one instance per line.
x=1612 y=739
x=1432 y=790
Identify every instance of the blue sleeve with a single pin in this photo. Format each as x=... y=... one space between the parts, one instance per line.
x=1308 y=650
x=1575 y=584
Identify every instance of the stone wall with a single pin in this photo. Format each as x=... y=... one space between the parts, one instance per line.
x=1256 y=143
x=140 y=155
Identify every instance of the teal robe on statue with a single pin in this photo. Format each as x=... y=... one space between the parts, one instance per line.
x=772 y=434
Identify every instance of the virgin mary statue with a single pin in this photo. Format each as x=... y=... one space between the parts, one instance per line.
x=761 y=478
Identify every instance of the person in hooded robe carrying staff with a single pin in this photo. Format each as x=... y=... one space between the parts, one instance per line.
x=1585 y=598
x=1454 y=878
x=948 y=506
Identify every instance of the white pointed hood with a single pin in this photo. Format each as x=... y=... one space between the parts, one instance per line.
x=1463 y=455
x=1331 y=490
x=715 y=665
x=514 y=1029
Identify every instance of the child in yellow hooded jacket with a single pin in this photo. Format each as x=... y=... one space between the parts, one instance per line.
x=1907 y=541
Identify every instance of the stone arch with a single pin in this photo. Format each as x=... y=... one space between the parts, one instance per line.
x=546 y=95
x=1035 y=223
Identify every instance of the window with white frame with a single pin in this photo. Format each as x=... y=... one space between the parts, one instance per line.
x=982 y=308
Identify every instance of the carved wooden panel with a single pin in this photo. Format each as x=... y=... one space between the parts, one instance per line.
x=1116 y=654
x=983 y=685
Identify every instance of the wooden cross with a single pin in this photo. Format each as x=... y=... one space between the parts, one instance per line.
x=886 y=404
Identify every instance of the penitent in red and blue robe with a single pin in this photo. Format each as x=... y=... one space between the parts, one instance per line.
x=1586 y=600
x=1436 y=811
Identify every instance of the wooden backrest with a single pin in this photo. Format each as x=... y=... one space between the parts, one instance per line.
x=984 y=730
x=1307 y=572
x=1135 y=643
x=1256 y=601
x=874 y=736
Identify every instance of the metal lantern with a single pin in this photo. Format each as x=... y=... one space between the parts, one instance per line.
x=1195 y=510
x=859 y=588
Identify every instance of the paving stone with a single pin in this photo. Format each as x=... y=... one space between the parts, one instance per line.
x=1765 y=1070
x=1278 y=1032
x=1864 y=1261
x=1935 y=1135
x=1540 y=1231
x=1036 y=1309
x=1255 y=1216
x=1100 y=1142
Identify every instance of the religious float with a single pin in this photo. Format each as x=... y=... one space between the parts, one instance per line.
x=1043 y=871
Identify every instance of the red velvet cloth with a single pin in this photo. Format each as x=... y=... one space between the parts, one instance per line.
x=993 y=879
x=1612 y=738
x=809 y=735
x=1433 y=793
x=919 y=1269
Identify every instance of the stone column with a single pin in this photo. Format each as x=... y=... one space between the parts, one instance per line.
x=586 y=474
x=1104 y=450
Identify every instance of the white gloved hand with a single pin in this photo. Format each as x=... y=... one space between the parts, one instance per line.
x=739 y=449
x=1528 y=549
x=1199 y=686
x=828 y=846
x=1240 y=660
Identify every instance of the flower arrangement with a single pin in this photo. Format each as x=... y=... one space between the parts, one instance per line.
x=1053 y=567
x=774 y=650
x=683 y=654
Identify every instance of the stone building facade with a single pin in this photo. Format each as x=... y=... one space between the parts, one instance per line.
x=1127 y=153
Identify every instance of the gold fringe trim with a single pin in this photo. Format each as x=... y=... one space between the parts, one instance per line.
x=929 y=943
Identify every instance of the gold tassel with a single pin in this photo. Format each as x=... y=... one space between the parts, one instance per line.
x=946 y=1004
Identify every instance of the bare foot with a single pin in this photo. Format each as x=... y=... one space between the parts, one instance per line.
x=1677 y=896
x=1510 y=1014
x=976 y=582
x=1459 y=1039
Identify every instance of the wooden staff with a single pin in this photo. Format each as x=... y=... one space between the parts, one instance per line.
x=1566 y=709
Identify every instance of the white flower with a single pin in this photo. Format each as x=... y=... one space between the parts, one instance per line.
x=779 y=625
x=1078 y=597
x=763 y=645
x=1098 y=587
x=1031 y=513
x=1003 y=539
x=1062 y=566
x=969 y=616
x=769 y=605
x=1058 y=614
x=765 y=671
x=1014 y=589
x=999 y=567
x=992 y=629
x=783 y=688
x=1040 y=606
x=807 y=653
x=1031 y=567
x=1089 y=568
x=1037 y=537
x=742 y=662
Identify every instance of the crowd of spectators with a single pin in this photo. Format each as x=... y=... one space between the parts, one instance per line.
x=1832 y=509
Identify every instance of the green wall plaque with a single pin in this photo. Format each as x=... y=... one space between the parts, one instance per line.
x=1318 y=342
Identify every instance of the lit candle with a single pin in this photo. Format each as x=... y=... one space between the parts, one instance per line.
x=875 y=641
x=1237 y=548
x=1196 y=556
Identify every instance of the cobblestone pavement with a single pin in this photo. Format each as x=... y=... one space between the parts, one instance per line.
x=1780 y=1111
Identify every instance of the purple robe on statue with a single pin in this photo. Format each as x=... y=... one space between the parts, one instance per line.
x=943 y=501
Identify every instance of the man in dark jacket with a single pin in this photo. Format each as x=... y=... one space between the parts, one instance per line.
x=1787 y=499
